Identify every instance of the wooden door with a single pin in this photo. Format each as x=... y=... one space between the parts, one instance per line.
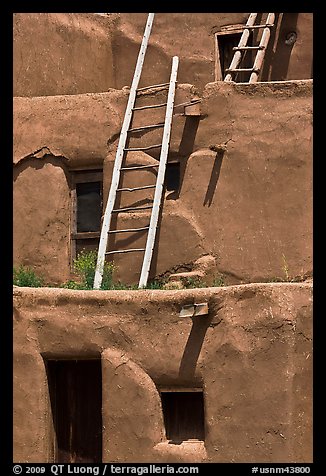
x=76 y=399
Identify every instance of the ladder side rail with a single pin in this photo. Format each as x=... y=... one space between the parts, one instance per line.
x=243 y=42
x=261 y=53
x=160 y=176
x=119 y=156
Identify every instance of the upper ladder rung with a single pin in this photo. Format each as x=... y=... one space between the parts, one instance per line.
x=151 y=126
x=139 y=167
x=126 y=189
x=149 y=107
x=153 y=86
x=143 y=148
x=240 y=48
x=127 y=230
x=124 y=251
x=127 y=209
x=241 y=70
x=265 y=25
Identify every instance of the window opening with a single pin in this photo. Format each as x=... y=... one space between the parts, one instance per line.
x=89 y=201
x=86 y=210
x=225 y=41
x=183 y=413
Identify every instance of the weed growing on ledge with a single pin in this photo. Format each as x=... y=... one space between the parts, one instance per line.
x=285 y=269
x=24 y=276
x=287 y=277
x=85 y=265
x=218 y=281
x=193 y=283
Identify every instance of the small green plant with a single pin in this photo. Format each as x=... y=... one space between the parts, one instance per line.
x=72 y=285
x=218 y=281
x=155 y=285
x=287 y=277
x=192 y=283
x=25 y=276
x=285 y=268
x=121 y=286
x=85 y=265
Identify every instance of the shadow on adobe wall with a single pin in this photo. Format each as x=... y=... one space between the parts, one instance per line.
x=191 y=352
x=214 y=178
x=185 y=150
x=283 y=48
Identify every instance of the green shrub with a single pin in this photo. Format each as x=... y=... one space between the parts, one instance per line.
x=25 y=276
x=85 y=265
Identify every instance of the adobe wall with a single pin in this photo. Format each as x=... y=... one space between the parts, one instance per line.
x=62 y=53
x=253 y=193
x=251 y=354
x=246 y=187
x=192 y=37
x=74 y=53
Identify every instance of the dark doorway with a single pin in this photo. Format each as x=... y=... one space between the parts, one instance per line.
x=183 y=414
x=75 y=388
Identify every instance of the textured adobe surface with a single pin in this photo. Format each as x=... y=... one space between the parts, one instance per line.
x=243 y=210
x=73 y=53
x=251 y=354
x=246 y=178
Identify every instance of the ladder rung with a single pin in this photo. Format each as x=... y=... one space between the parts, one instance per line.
x=127 y=230
x=154 y=86
x=127 y=209
x=139 y=167
x=187 y=103
x=143 y=148
x=240 y=48
x=135 y=188
x=242 y=70
x=124 y=251
x=149 y=107
x=265 y=25
x=151 y=126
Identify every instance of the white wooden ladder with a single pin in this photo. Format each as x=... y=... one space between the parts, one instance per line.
x=118 y=169
x=242 y=47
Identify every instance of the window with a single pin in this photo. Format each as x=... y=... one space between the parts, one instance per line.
x=86 y=197
x=224 y=43
x=75 y=389
x=183 y=412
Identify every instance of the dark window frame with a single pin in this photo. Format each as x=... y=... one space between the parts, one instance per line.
x=199 y=426
x=82 y=176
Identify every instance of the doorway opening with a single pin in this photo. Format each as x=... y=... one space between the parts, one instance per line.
x=75 y=389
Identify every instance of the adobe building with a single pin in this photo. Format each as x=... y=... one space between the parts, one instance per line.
x=216 y=374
